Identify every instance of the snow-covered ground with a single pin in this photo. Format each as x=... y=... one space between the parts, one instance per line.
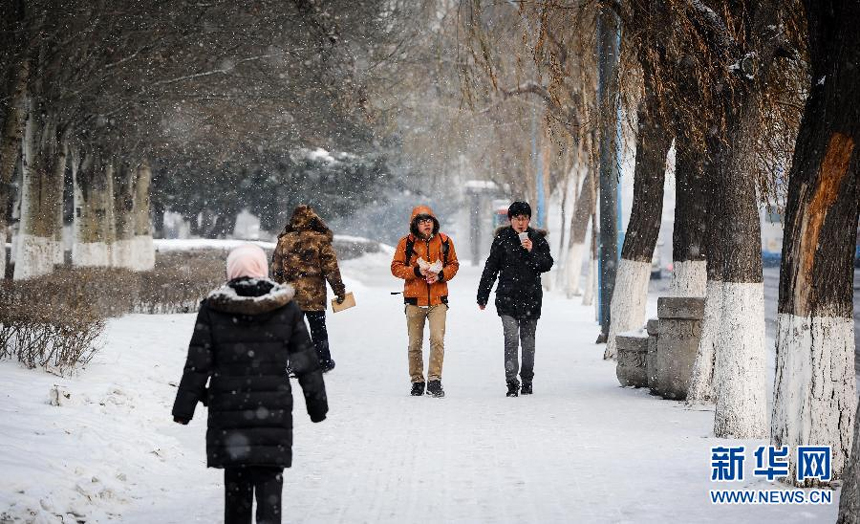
x=581 y=449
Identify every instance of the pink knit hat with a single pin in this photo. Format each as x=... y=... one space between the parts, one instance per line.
x=247 y=260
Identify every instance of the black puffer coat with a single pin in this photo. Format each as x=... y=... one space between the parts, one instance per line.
x=519 y=292
x=246 y=334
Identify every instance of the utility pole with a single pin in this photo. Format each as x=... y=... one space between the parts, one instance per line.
x=608 y=33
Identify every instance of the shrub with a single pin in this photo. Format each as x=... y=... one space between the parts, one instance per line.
x=47 y=333
x=54 y=321
x=180 y=280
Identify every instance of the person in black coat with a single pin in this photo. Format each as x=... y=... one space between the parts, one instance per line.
x=518 y=256
x=247 y=333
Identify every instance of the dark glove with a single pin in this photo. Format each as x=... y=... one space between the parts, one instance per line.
x=180 y=421
x=341 y=298
x=317 y=418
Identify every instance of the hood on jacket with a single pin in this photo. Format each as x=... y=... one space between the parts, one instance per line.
x=420 y=211
x=539 y=232
x=305 y=219
x=250 y=296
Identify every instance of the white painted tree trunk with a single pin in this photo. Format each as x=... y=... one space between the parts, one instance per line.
x=701 y=389
x=10 y=144
x=815 y=394
x=573 y=269
x=689 y=278
x=629 y=301
x=122 y=250
x=591 y=283
x=34 y=257
x=42 y=192
x=144 y=249
x=739 y=376
x=94 y=234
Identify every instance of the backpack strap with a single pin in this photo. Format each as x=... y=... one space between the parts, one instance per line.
x=410 y=249
x=446 y=246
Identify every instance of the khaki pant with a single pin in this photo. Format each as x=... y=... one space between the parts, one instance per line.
x=415 y=318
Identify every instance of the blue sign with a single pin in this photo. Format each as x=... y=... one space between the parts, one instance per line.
x=813 y=462
x=727 y=463
x=771 y=462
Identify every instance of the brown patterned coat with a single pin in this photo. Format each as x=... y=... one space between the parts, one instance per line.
x=305 y=258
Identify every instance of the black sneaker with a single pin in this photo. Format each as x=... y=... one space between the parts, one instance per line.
x=513 y=389
x=526 y=389
x=327 y=365
x=434 y=389
x=417 y=389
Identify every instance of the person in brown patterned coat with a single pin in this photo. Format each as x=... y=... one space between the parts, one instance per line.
x=305 y=259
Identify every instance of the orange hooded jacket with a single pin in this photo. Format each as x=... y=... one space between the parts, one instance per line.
x=416 y=291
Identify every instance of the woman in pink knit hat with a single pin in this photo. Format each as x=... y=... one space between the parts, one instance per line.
x=247 y=333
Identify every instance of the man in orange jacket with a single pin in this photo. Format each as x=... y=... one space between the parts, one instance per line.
x=426 y=260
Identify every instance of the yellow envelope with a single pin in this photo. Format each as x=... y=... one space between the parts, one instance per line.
x=348 y=302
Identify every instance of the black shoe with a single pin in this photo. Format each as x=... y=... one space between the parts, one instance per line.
x=326 y=365
x=434 y=389
x=526 y=389
x=513 y=389
x=417 y=389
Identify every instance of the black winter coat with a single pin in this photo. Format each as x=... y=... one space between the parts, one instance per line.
x=246 y=334
x=519 y=293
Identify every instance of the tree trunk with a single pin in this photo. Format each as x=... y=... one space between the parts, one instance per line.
x=689 y=276
x=739 y=373
x=569 y=171
x=144 y=249
x=814 y=388
x=44 y=164
x=582 y=212
x=209 y=219
x=591 y=281
x=701 y=390
x=122 y=251
x=849 y=500
x=10 y=144
x=630 y=296
x=94 y=224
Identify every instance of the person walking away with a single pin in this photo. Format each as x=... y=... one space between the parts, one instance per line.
x=305 y=259
x=246 y=334
x=426 y=260
x=518 y=256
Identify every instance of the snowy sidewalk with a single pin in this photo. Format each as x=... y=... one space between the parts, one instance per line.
x=581 y=449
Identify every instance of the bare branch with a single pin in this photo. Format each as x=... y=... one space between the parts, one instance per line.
x=715 y=25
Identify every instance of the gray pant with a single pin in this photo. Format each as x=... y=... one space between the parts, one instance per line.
x=519 y=331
